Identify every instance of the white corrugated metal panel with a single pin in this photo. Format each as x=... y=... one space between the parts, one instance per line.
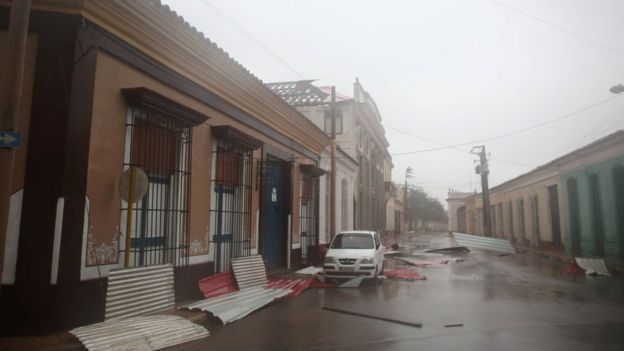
x=593 y=266
x=237 y=305
x=249 y=271
x=484 y=243
x=138 y=291
x=139 y=333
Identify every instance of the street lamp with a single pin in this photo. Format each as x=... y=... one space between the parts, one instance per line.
x=616 y=89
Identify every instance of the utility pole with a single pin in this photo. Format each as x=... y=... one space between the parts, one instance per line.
x=10 y=101
x=484 y=170
x=332 y=194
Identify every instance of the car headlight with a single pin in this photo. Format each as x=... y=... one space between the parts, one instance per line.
x=329 y=259
x=367 y=260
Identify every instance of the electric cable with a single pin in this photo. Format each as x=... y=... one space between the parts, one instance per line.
x=249 y=36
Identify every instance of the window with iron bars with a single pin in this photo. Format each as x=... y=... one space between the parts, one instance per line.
x=230 y=206
x=161 y=147
x=308 y=218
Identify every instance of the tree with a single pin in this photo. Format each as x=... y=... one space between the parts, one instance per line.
x=423 y=208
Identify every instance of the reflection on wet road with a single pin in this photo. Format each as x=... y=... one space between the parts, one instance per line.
x=517 y=302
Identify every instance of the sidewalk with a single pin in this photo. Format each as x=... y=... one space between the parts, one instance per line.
x=65 y=341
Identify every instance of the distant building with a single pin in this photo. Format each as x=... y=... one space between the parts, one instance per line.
x=573 y=204
x=359 y=133
x=457 y=210
x=395 y=212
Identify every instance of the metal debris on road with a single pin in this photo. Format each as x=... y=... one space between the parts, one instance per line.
x=403 y=273
x=249 y=271
x=484 y=243
x=359 y=314
x=573 y=269
x=450 y=249
x=138 y=291
x=593 y=266
x=139 y=333
x=296 y=285
x=392 y=252
x=310 y=270
x=428 y=262
x=234 y=306
x=217 y=285
x=453 y=325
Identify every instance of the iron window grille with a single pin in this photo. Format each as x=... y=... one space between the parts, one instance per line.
x=308 y=217
x=161 y=147
x=230 y=206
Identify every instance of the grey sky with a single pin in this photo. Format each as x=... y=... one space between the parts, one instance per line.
x=451 y=71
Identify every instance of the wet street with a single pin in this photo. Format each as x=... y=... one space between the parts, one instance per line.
x=515 y=302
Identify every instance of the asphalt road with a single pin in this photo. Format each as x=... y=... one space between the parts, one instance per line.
x=517 y=302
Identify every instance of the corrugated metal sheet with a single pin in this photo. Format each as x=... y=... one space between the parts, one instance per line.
x=310 y=270
x=234 y=306
x=296 y=285
x=216 y=285
x=139 y=333
x=249 y=271
x=138 y=291
x=593 y=266
x=484 y=243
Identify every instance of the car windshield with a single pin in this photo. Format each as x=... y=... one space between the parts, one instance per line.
x=353 y=241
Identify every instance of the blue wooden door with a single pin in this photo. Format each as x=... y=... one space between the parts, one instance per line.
x=274 y=212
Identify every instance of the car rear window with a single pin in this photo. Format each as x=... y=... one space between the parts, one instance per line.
x=353 y=241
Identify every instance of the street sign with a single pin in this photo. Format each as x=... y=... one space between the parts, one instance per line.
x=10 y=139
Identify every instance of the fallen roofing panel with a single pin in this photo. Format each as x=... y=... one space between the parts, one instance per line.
x=484 y=243
x=249 y=271
x=236 y=305
x=310 y=270
x=296 y=285
x=593 y=266
x=403 y=273
x=217 y=285
x=138 y=291
x=139 y=333
x=436 y=261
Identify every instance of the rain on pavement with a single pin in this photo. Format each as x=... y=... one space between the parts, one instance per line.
x=502 y=302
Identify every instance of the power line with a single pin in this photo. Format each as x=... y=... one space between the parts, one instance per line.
x=249 y=36
x=451 y=146
x=567 y=31
x=569 y=115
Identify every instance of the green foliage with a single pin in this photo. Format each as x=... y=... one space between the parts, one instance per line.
x=422 y=207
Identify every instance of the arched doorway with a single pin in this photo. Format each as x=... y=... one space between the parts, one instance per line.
x=461 y=219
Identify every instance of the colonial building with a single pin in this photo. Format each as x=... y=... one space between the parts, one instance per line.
x=359 y=133
x=226 y=167
x=457 y=210
x=395 y=213
x=573 y=204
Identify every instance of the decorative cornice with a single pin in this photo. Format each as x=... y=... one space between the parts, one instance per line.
x=312 y=170
x=236 y=136
x=154 y=102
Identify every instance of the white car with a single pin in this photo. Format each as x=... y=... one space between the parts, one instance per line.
x=354 y=253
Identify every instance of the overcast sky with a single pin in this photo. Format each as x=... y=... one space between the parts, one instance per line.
x=443 y=72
